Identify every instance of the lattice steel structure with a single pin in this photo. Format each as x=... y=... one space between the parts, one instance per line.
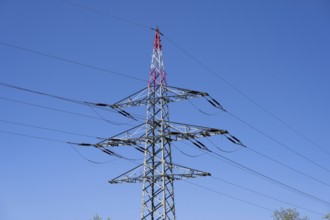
x=154 y=137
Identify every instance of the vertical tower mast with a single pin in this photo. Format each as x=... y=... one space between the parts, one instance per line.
x=153 y=138
x=158 y=191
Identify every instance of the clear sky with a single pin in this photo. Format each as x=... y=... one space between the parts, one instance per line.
x=267 y=62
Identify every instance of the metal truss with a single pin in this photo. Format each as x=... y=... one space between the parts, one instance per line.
x=154 y=137
x=140 y=98
x=136 y=175
x=138 y=136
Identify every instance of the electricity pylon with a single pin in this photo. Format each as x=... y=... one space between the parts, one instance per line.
x=154 y=137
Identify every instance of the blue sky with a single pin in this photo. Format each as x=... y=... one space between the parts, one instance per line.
x=275 y=53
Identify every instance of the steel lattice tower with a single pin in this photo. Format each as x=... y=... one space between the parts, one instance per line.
x=158 y=189
x=153 y=138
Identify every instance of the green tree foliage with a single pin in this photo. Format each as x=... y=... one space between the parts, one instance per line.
x=288 y=214
x=327 y=216
x=97 y=217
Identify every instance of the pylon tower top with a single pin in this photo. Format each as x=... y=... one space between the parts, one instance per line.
x=157 y=73
x=157 y=44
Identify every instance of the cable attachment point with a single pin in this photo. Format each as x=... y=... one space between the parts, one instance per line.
x=215 y=103
x=234 y=140
x=81 y=144
x=200 y=145
x=122 y=112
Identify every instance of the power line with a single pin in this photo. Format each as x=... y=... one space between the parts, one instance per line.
x=81 y=102
x=184 y=153
x=263 y=176
x=58 y=110
x=270 y=179
x=106 y=120
x=231 y=114
x=89 y=160
x=32 y=136
x=61 y=141
x=280 y=143
x=41 y=93
x=264 y=195
x=63 y=59
x=222 y=150
x=37 y=137
x=263 y=155
x=44 y=128
x=206 y=67
x=63 y=99
x=288 y=167
x=277 y=142
x=107 y=14
x=201 y=111
x=55 y=140
x=229 y=196
x=261 y=194
x=247 y=97
x=70 y=61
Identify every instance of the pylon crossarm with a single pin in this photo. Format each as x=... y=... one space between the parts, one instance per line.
x=181 y=131
x=188 y=172
x=132 y=176
x=133 y=136
x=140 y=98
x=175 y=94
x=136 y=175
x=137 y=136
x=178 y=132
x=136 y=99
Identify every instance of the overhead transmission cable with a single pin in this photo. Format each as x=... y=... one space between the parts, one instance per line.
x=247 y=97
x=222 y=150
x=206 y=67
x=202 y=147
x=274 y=140
x=264 y=195
x=141 y=117
x=268 y=157
x=107 y=120
x=186 y=154
x=107 y=14
x=100 y=69
x=281 y=144
x=270 y=179
x=218 y=156
x=259 y=193
x=246 y=189
x=47 y=129
x=32 y=136
x=212 y=100
x=240 y=92
x=271 y=159
x=128 y=76
x=233 y=87
x=66 y=142
x=228 y=196
x=288 y=167
x=75 y=101
x=89 y=160
x=60 y=110
x=40 y=93
x=61 y=98
x=63 y=59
